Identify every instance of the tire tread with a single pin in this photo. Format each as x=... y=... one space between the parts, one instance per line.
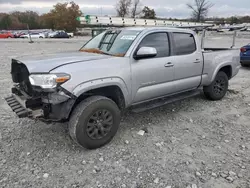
x=77 y=112
x=208 y=92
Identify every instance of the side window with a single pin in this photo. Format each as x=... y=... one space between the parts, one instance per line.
x=159 y=41
x=184 y=43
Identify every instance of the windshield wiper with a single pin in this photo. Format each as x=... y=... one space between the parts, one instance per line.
x=94 y=50
x=105 y=53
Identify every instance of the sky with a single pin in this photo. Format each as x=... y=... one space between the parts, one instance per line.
x=163 y=8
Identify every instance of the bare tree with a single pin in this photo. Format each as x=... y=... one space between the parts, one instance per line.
x=148 y=13
x=136 y=8
x=122 y=7
x=200 y=9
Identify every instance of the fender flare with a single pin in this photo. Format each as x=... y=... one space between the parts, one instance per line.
x=103 y=82
x=218 y=69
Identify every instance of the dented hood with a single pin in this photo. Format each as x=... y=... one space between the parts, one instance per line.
x=45 y=63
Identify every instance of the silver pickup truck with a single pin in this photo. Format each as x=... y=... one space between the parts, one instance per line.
x=132 y=68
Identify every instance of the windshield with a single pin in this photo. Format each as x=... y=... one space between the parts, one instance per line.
x=115 y=42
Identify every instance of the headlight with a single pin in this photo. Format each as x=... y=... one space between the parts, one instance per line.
x=48 y=81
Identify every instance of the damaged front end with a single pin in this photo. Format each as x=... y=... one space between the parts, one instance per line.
x=36 y=98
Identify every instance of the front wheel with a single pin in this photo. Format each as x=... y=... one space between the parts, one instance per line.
x=94 y=122
x=218 y=88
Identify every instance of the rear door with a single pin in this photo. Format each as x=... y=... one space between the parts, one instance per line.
x=187 y=60
x=153 y=77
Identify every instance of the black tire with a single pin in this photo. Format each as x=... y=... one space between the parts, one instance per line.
x=81 y=122
x=218 y=88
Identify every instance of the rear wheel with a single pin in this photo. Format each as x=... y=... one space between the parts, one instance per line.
x=94 y=122
x=218 y=88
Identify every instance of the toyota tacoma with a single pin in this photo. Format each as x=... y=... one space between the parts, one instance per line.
x=129 y=68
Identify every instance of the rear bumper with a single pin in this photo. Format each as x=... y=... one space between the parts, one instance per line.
x=54 y=107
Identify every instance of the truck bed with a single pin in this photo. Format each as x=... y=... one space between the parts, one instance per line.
x=213 y=57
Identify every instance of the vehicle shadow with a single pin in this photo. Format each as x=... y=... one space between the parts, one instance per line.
x=246 y=68
x=55 y=136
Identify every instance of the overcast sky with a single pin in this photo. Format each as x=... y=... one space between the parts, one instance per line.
x=163 y=8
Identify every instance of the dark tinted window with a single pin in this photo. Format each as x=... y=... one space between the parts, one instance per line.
x=159 y=41
x=184 y=43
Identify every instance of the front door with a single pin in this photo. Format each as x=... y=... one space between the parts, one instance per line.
x=152 y=77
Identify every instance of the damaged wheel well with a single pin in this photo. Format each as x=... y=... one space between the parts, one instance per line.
x=112 y=92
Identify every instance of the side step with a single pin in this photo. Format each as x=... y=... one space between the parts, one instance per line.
x=163 y=101
x=17 y=107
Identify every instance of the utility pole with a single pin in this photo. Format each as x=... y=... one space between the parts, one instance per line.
x=29 y=34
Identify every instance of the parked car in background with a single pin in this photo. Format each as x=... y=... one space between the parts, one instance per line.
x=71 y=35
x=33 y=35
x=20 y=33
x=245 y=56
x=60 y=35
x=4 y=35
x=52 y=34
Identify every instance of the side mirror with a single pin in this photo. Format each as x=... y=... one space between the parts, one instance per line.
x=145 y=52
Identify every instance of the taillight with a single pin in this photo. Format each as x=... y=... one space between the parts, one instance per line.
x=243 y=50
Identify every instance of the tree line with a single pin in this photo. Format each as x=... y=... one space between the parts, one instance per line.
x=63 y=15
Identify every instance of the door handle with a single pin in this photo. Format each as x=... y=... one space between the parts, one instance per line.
x=197 y=61
x=169 y=64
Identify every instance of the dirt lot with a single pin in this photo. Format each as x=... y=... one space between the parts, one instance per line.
x=189 y=144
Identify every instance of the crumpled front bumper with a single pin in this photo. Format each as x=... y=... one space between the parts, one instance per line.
x=52 y=107
x=18 y=107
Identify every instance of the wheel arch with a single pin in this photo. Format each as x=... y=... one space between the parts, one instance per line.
x=111 y=91
x=227 y=68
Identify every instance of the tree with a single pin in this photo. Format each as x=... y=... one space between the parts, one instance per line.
x=47 y=21
x=200 y=9
x=62 y=17
x=234 y=20
x=135 y=8
x=148 y=13
x=122 y=7
x=5 y=21
x=28 y=17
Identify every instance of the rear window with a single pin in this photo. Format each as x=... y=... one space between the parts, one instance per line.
x=184 y=43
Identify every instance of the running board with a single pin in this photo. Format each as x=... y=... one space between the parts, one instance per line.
x=164 y=101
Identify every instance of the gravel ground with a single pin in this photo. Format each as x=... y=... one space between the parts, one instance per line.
x=189 y=144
